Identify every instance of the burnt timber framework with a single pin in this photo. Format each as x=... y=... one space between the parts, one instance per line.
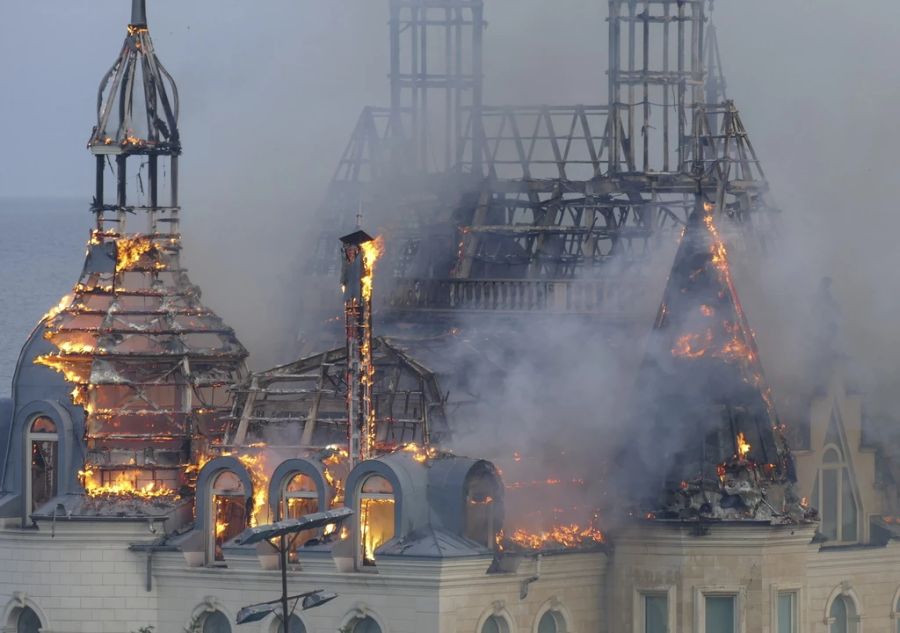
x=544 y=209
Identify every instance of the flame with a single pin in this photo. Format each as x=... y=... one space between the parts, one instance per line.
x=371 y=251
x=73 y=371
x=569 y=535
x=130 y=250
x=123 y=484
x=376 y=524
x=692 y=346
x=255 y=463
x=743 y=445
x=336 y=465
x=64 y=304
x=420 y=454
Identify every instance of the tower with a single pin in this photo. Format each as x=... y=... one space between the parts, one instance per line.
x=142 y=367
x=705 y=409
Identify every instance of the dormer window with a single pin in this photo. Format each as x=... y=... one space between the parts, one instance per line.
x=300 y=497
x=376 y=516
x=836 y=499
x=43 y=446
x=482 y=522
x=229 y=507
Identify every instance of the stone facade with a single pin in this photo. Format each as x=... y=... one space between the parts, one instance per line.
x=86 y=578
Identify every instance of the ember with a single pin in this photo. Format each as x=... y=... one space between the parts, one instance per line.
x=561 y=536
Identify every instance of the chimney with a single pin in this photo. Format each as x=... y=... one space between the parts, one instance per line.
x=359 y=252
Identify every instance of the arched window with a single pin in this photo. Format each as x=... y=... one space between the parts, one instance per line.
x=229 y=507
x=495 y=624
x=28 y=621
x=216 y=622
x=295 y=625
x=365 y=625
x=43 y=446
x=482 y=523
x=376 y=516
x=300 y=497
x=552 y=622
x=896 y=616
x=833 y=492
x=842 y=616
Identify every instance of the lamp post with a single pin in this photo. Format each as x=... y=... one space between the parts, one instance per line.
x=281 y=530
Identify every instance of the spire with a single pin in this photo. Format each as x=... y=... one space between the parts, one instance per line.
x=139 y=13
x=146 y=362
x=137 y=103
x=704 y=398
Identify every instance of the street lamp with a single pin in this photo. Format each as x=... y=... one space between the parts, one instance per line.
x=281 y=530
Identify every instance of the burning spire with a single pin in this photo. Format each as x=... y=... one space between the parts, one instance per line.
x=360 y=251
x=702 y=387
x=147 y=363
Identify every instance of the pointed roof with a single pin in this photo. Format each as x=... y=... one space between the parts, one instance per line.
x=137 y=103
x=701 y=383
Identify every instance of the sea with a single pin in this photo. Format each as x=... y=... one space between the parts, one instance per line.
x=42 y=244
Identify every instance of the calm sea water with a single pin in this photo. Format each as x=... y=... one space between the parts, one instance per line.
x=42 y=244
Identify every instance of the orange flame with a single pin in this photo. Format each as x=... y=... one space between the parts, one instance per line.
x=692 y=345
x=371 y=251
x=743 y=445
x=567 y=536
x=123 y=484
x=130 y=250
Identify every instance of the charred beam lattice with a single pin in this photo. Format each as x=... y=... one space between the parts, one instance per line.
x=542 y=194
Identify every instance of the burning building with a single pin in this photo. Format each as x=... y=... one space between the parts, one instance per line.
x=137 y=449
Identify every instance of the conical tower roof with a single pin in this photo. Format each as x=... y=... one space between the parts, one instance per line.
x=703 y=394
x=137 y=102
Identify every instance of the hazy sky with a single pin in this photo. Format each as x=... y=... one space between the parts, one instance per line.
x=271 y=89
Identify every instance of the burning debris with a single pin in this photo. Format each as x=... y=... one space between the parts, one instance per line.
x=559 y=512
x=703 y=391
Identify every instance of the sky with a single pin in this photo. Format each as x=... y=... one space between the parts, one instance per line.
x=270 y=91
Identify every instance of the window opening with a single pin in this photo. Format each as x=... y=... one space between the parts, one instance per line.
x=216 y=622
x=43 y=442
x=720 y=614
x=295 y=625
x=833 y=492
x=656 y=613
x=787 y=612
x=481 y=507
x=229 y=505
x=376 y=516
x=300 y=497
x=495 y=624
x=28 y=621
x=552 y=622
x=366 y=625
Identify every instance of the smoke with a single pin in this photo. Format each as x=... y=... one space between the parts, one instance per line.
x=270 y=92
